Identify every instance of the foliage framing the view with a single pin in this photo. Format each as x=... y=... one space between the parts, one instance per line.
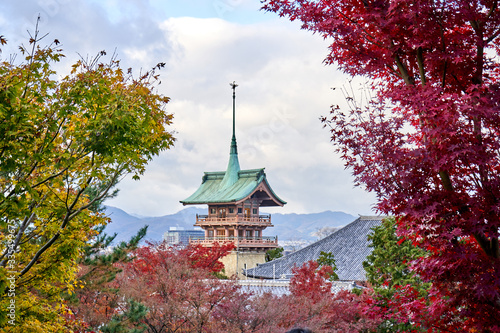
x=65 y=142
x=428 y=143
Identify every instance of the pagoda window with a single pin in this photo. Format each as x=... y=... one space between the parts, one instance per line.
x=248 y=233
x=231 y=210
x=210 y=233
x=221 y=232
x=254 y=211
x=213 y=211
x=222 y=213
x=240 y=210
x=247 y=212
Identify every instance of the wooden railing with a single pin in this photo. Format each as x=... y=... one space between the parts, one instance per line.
x=238 y=219
x=238 y=241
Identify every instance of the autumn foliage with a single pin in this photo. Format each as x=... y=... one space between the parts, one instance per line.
x=315 y=304
x=311 y=303
x=165 y=289
x=66 y=139
x=428 y=142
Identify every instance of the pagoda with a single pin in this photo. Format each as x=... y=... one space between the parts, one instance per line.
x=234 y=198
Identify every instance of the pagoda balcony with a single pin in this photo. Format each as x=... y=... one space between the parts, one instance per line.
x=239 y=242
x=206 y=220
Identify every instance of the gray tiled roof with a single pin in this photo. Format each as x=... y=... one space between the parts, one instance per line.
x=259 y=287
x=348 y=245
x=282 y=287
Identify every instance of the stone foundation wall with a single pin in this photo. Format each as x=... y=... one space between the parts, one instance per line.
x=235 y=262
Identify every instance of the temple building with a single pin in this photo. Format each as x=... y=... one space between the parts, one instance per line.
x=234 y=198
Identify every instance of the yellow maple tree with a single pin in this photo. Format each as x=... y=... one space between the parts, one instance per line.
x=64 y=144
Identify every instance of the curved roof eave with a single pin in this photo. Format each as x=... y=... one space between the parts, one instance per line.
x=248 y=192
x=274 y=197
x=283 y=202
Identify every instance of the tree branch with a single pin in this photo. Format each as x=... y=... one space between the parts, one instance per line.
x=445 y=180
x=26 y=222
x=493 y=36
x=421 y=69
x=404 y=71
x=69 y=216
x=490 y=246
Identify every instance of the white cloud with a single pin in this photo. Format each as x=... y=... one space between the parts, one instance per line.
x=283 y=89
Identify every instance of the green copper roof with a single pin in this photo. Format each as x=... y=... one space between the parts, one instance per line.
x=233 y=166
x=234 y=185
x=213 y=189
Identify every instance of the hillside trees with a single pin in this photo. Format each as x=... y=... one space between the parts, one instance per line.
x=428 y=142
x=252 y=313
x=311 y=303
x=64 y=143
x=165 y=289
x=178 y=287
x=314 y=304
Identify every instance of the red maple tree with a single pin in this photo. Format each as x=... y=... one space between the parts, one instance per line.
x=314 y=303
x=177 y=286
x=164 y=289
x=428 y=143
x=160 y=288
x=207 y=258
x=250 y=312
x=311 y=303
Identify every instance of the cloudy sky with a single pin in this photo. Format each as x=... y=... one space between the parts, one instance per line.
x=283 y=90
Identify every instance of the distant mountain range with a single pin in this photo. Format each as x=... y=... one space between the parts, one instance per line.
x=288 y=227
